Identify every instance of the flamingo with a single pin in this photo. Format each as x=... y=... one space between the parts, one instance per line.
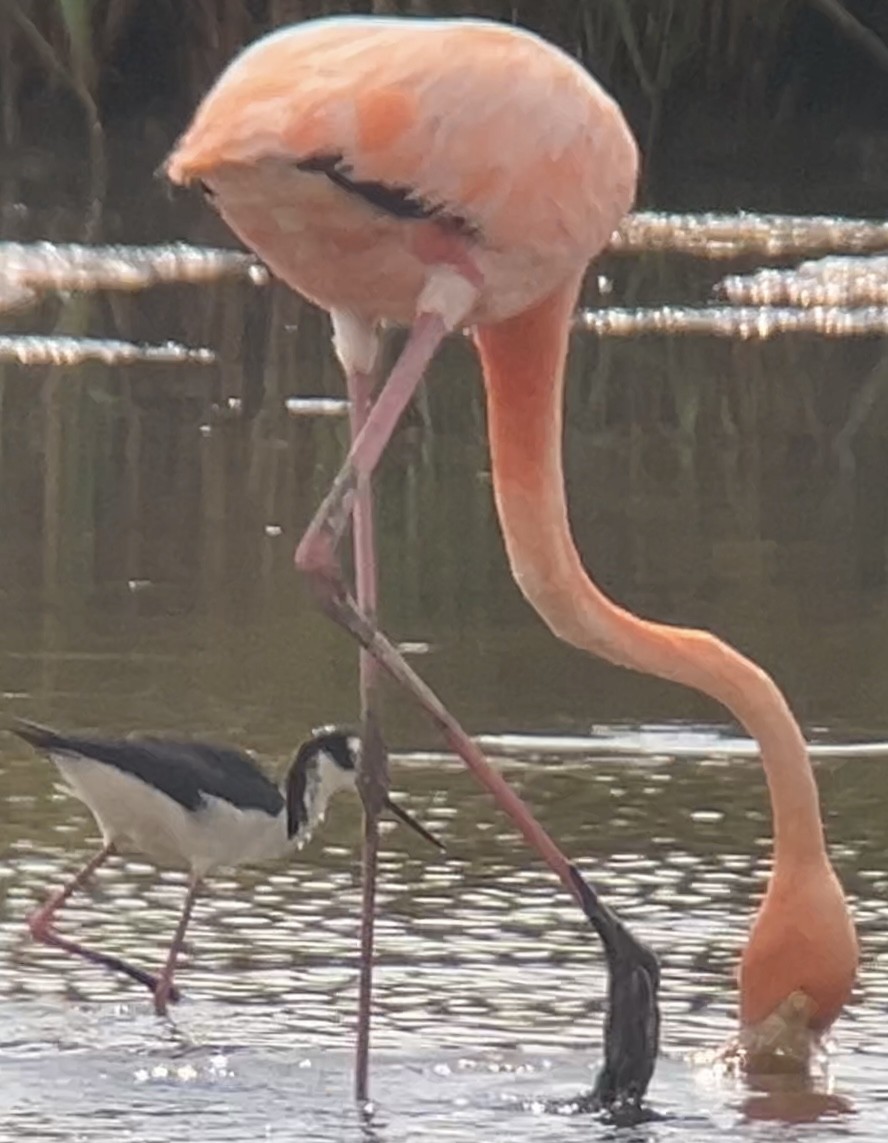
x=450 y=174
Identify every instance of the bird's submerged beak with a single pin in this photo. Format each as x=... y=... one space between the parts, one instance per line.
x=632 y=1032
x=408 y=820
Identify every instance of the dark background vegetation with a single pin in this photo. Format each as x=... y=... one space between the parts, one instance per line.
x=733 y=83
x=691 y=456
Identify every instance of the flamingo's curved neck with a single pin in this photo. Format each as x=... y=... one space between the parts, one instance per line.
x=523 y=361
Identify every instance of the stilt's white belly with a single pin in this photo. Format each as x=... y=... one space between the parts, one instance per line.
x=135 y=816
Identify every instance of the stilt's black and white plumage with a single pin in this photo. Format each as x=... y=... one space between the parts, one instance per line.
x=191 y=805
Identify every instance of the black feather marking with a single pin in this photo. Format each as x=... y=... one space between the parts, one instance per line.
x=186 y=771
x=398 y=201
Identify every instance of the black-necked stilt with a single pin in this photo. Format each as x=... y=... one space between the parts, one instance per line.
x=191 y=805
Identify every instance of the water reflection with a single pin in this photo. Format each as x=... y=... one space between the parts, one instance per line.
x=39 y=267
x=709 y=495
x=29 y=349
x=480 y=954
x=758 y=321
x=287 y=936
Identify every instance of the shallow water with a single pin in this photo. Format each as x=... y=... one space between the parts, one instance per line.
x=148 y=520
x=489 y=986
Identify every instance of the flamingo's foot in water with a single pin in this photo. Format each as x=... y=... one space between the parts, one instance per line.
x=782 y=1044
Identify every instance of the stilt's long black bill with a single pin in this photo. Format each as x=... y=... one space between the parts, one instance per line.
x=632 y=1027
x=404 y=817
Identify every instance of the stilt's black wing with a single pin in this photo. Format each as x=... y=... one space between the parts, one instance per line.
x=186 y=771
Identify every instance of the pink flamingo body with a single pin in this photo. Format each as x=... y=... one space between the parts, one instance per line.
x=372 y=91
x=444 y=174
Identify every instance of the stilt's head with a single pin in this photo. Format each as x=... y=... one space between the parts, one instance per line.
x=322 y=766
x=632 y=1028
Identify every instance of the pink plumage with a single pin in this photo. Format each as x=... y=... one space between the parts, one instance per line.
x=486 y=129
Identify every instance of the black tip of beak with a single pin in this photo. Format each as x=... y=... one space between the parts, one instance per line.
x=632 y=1027
x=410 y=821
x=619 y=944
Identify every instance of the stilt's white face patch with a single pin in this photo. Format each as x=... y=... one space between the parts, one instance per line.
x=324 y=779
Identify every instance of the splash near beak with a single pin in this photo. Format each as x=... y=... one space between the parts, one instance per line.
x=407 y=820
x=784 y=1043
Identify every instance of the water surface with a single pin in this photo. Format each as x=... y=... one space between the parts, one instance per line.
x=148 y=518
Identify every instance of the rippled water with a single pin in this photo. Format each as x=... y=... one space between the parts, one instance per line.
x=489 y=986
x=148 y=519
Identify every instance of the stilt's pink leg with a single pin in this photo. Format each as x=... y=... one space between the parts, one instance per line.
x=164 y=991
x=40 y=925
x=40 y=921
x=316 y=556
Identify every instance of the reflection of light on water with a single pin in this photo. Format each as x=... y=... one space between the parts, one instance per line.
x=38 y=350
x=663 y=742
x=29 y=269
x=489 y=986
x=825 y=282
x=713 y=235
x=216 y=1068
x=316 y=406
x=825 y=289
x=744 y=323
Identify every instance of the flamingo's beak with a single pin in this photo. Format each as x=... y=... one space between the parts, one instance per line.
x=632 y=1029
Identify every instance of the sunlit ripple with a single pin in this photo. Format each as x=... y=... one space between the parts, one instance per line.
x=29 y=269
x=480 y=954
x=657 y=741
x=714 y=235
x=743 y=323
x=834 y=281
x=33 y=349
